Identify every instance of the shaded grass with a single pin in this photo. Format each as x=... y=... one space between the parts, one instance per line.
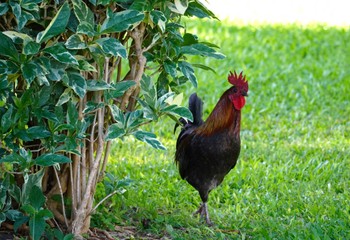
x=292 y=179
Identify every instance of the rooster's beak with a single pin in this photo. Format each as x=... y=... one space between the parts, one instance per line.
x=244 y=93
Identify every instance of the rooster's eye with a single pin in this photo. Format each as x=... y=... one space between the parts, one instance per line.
x=234 y=89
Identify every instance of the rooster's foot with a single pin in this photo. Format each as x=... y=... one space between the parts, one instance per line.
x=203 y=212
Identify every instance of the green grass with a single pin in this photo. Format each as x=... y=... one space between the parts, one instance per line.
x=292 y=179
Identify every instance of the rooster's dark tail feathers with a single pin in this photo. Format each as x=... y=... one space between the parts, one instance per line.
x=195 y=104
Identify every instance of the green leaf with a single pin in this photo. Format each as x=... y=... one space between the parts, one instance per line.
x=62 y=127
x=149 y=138
x=56 y=233
x=72 y=114
x=85 y=17
x=179 y=6
x=188 y=72
x=76 y=82
x=17 y=11
x=29 y=209
x=3 y=8
x=44 y=95
x=103 y=2
x=121 y=21
x=149 y=112
x=19 y=222
x=44 y=64
x=13 y=158
x=97 y=53
x=22 y=134
x=3 y=194
x=204 y=67
x=31 y=1
x=61 y=54
x=18 y=37
x=38 y=132
x=2 y=217
x=23 y=19
x=29 y=71
x=117 y=114
x=6 y=206
x=16 y=8
x=26 y=154
x=68 y=237
x=86 y=66
x=56 y=71
x=36 y=227
x=189 y=39
x=45 y=213
x=112 y=46
x=57 y=24
x=50 y=159
x=6 y=120
x=42 y=68
x=139 y=5
x=12 y=68
x=170 y=68
x=197 y=9
x=92 y=106
x=86 y=28
x=13 y=214
x=29 y=182
x=158 y=18
x=178 y=110
x=7 y=48
x=30 y=5
x=75 y=41
x=34 y=69
x=65 y=97
x=5 y=184
x=3 y=71
x=149 y=90
x=31 y=47
x=45 y=113
x=161 y=102
x=93 y=85
x=114 y=131
x=82 y=12
x=121 y=87
x=133 y=118
x=36 y=198
x=201 y=50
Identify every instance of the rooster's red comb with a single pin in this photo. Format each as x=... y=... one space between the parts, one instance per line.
x=238 y=80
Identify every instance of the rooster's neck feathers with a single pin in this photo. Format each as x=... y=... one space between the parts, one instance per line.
x=224 y=117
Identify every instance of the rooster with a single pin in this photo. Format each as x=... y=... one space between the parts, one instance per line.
x=207 y=151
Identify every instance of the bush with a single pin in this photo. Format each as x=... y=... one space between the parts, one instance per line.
x=74 y=75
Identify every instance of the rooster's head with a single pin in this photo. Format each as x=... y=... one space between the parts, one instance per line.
x=239 y=89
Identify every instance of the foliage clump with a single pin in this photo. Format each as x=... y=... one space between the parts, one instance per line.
x=74 y=75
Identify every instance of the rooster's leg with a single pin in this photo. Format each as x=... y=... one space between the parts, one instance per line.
x=203 y=211
x=206 y=214
x=199 y=211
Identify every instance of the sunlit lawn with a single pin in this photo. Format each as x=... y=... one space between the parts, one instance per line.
x=292 y=179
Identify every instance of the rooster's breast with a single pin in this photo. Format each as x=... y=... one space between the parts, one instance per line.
x=207 y=159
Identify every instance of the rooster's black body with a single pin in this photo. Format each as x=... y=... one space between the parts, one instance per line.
x=207 y=151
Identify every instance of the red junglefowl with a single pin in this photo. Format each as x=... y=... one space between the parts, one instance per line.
x=207 y=151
